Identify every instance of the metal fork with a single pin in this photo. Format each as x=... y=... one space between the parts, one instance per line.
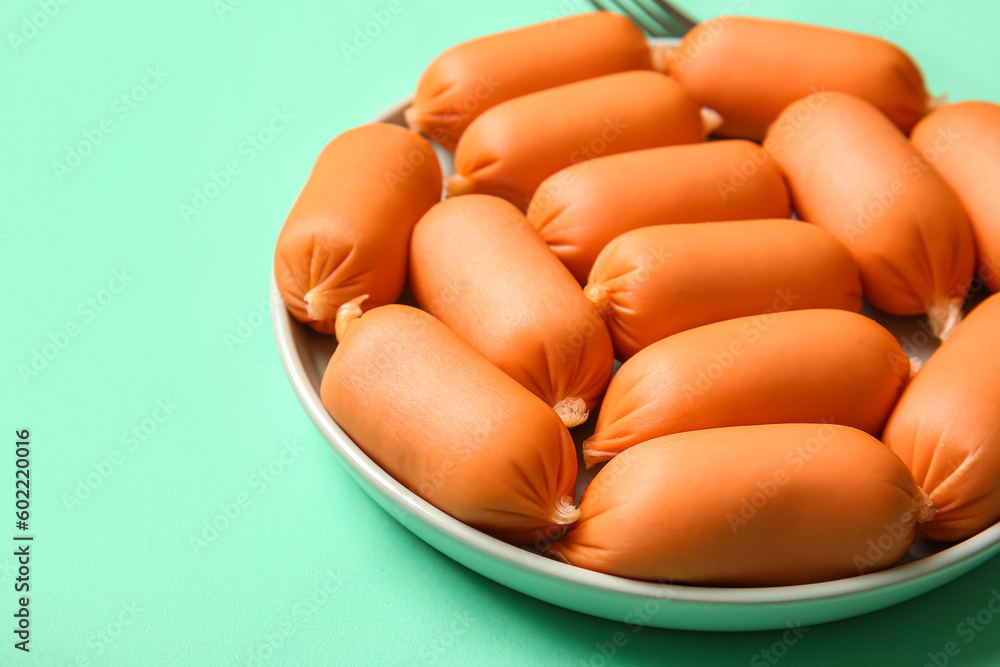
x=655 y=17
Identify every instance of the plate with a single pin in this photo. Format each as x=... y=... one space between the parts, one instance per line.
x=305 y=354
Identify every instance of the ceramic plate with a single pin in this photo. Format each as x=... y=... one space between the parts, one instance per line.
x=928 y=565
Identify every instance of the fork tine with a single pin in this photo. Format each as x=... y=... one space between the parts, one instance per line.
x=656 y=23
x=670 y=25
x=642 y=19
x=674 y=13
x=596 y=4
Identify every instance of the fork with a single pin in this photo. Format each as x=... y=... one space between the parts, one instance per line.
x=655 y=17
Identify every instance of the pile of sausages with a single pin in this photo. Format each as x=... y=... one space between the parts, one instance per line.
x=759 y=431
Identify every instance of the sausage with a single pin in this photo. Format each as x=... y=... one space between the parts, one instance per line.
x=653 y=282
x=581 y=208
x=469 y=78
x=510 y=149
x=854 y=173
x=348 y=233
x=798 y=366
x=749 y=69
x=450 y=426
x=962 y=141
x=946 y=427
x=479 y=267
x=774 y=505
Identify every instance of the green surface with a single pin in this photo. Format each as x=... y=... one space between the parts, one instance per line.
x=139 y=303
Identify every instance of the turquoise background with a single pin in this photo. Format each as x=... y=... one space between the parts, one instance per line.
x=163 y=406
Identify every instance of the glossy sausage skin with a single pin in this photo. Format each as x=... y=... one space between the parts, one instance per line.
x=510 y=149
x=348 y=233
x=653 y=282
x=852 y=172
x=798 y=366
x=773 y=505
x=580 y=209
x=946 y=427
x=450 y=426
x=749 y=69
x=478 y=266
x=962 y=141
x=469 y=78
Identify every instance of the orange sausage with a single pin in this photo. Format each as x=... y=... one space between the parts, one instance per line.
x=348 y=233
x=450 y=426
x=653 y=282
x=773 y=505
x=854 y=173
x=799 y=366
x=581 y=208
x=510 y=149
x=962 y=141
x=946 y=427
x=478 y=266
x=749 y=69
x=469 y=78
